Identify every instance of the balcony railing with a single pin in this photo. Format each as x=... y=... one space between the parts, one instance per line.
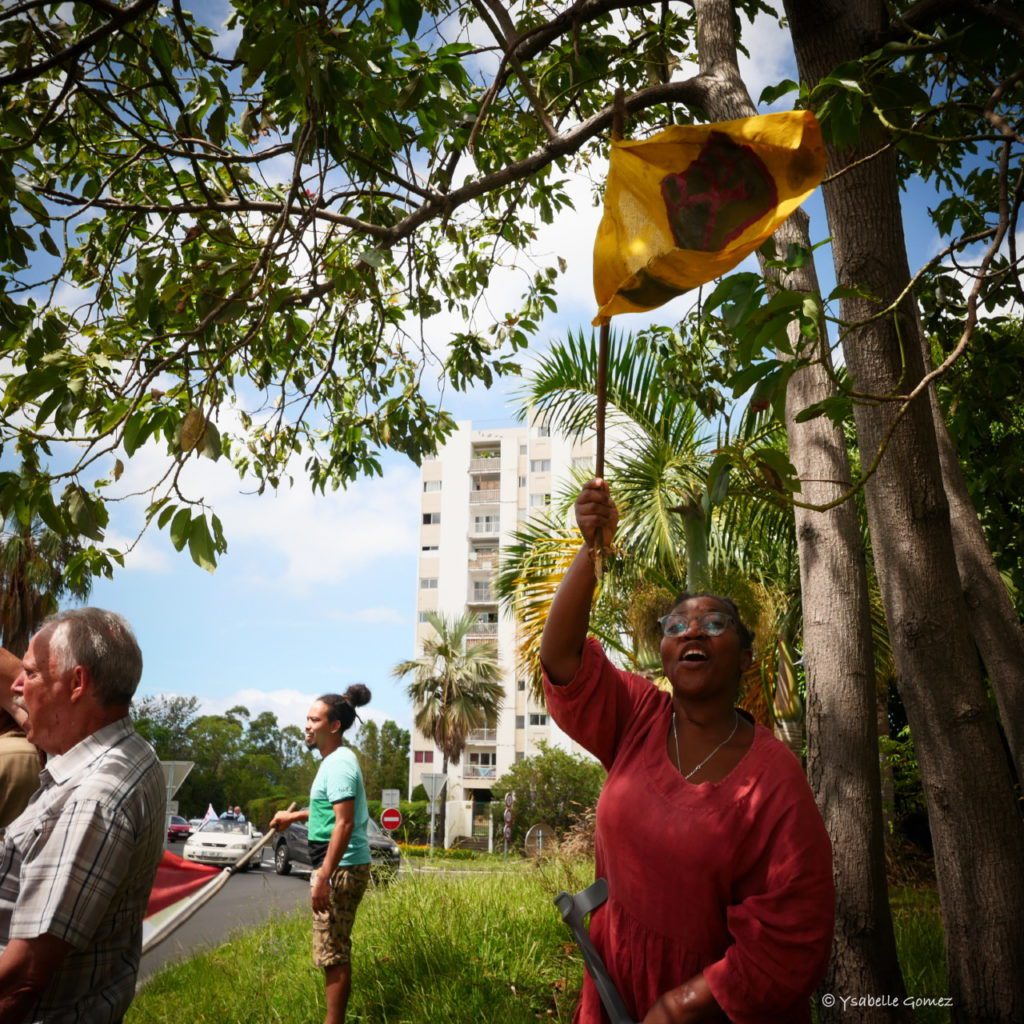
x=483 y=564
x=483 y=736
x=485 y=465
x=485 y=496
x=479 y=771
x=483 y=629
x=484 y=529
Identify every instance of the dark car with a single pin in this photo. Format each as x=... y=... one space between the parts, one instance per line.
x=179 y=828
x=291 y=849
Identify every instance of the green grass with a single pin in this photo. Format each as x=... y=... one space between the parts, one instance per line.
x=429 y=949
x=918 y=925
x=449 y=949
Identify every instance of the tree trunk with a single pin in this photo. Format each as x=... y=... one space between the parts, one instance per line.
x=976 y=828
x=842 y=751
x=996 y=630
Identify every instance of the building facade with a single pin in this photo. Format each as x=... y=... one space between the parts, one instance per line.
x=475 y=493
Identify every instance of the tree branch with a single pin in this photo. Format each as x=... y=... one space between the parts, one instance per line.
x=124 y=17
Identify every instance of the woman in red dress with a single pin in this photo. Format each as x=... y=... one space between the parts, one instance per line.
x=719 y=868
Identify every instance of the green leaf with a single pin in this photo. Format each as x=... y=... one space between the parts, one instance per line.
x=210 y=447
x=48 y=243
x=165 y=515
x=718 y=479
x=200 y=545
x=773 y=92
x=750 y=375
x=404 y=14
x=86 y=515
x=180 y=528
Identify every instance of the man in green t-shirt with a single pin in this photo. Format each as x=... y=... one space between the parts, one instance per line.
x=338 y=847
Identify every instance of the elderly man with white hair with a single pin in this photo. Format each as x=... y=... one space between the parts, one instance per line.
x=77 y=866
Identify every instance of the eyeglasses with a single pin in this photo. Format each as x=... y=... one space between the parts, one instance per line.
x=712 y=623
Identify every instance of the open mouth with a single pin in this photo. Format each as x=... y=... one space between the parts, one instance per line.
x=694 y=655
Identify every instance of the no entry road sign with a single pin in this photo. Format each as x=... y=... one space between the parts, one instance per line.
x=391 y=819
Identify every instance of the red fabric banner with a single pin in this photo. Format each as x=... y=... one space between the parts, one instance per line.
x=175 y=879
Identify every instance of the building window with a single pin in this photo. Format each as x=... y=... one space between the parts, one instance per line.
x=543 y=431
x=522 y=449
x=423 y=757
x=483 y=759
x=520 y=722
x=540 y=500
x=520 y=755
x=429 y=547
x=522 y=685
x=482 y=590
x=540 y=465
x=485 y=524
x=423 y=617
x=522 y=481
x=431 y=485
x=582 y=461
x=428 y=583
x=537 y=718
x=431 y=518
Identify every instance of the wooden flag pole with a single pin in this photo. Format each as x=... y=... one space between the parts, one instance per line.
x=618 y=126
x=188 y=907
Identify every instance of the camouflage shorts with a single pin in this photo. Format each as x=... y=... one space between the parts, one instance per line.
x=332 y=928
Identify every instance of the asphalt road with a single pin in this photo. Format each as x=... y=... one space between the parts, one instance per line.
x=247 y=900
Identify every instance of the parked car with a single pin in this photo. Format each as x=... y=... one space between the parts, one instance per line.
x=222 y=841
x=178 y=828
x=291 y=849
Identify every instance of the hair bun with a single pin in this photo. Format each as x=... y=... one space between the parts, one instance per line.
x=357 y=695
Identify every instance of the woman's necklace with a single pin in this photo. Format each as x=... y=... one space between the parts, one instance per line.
x=679 y=760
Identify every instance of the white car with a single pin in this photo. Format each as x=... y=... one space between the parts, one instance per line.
x=222 y=841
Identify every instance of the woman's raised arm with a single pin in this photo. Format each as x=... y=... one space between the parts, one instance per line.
x=562 y=643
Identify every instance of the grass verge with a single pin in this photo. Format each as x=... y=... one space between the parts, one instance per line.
x=450 y=949
x=427 y=950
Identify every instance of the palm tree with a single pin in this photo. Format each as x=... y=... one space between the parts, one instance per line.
x=456 y=686
x=33 y=560
x=671 y=534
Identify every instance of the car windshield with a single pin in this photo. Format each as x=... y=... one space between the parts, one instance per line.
x=225 y=826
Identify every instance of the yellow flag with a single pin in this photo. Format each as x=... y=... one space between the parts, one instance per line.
x=686 y=205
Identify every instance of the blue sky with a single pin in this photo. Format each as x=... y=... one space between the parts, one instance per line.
x=318 y=592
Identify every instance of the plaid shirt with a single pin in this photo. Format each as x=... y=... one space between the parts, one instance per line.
x=79 y=864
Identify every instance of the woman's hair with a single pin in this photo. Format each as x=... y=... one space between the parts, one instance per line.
x=341 y=707
x=745 y=632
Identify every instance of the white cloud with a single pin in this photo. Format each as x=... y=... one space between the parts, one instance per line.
x=771 y=58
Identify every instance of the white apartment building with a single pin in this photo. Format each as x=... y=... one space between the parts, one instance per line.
x=481 y=485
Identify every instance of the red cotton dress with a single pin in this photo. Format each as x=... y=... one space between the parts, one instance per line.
x=732 y=878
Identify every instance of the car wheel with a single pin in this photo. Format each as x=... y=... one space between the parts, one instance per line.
x=282 y=862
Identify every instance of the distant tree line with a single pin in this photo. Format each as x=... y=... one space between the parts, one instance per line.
x=240 y=759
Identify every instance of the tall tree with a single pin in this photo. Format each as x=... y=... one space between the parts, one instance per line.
x=384 y=756
x=976 y=828
x=842 y=748
x=456 y=686
x=33 y=579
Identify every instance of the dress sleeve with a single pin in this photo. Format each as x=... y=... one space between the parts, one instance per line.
x=596 y=706
x=783 y=919
x=83 y=857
